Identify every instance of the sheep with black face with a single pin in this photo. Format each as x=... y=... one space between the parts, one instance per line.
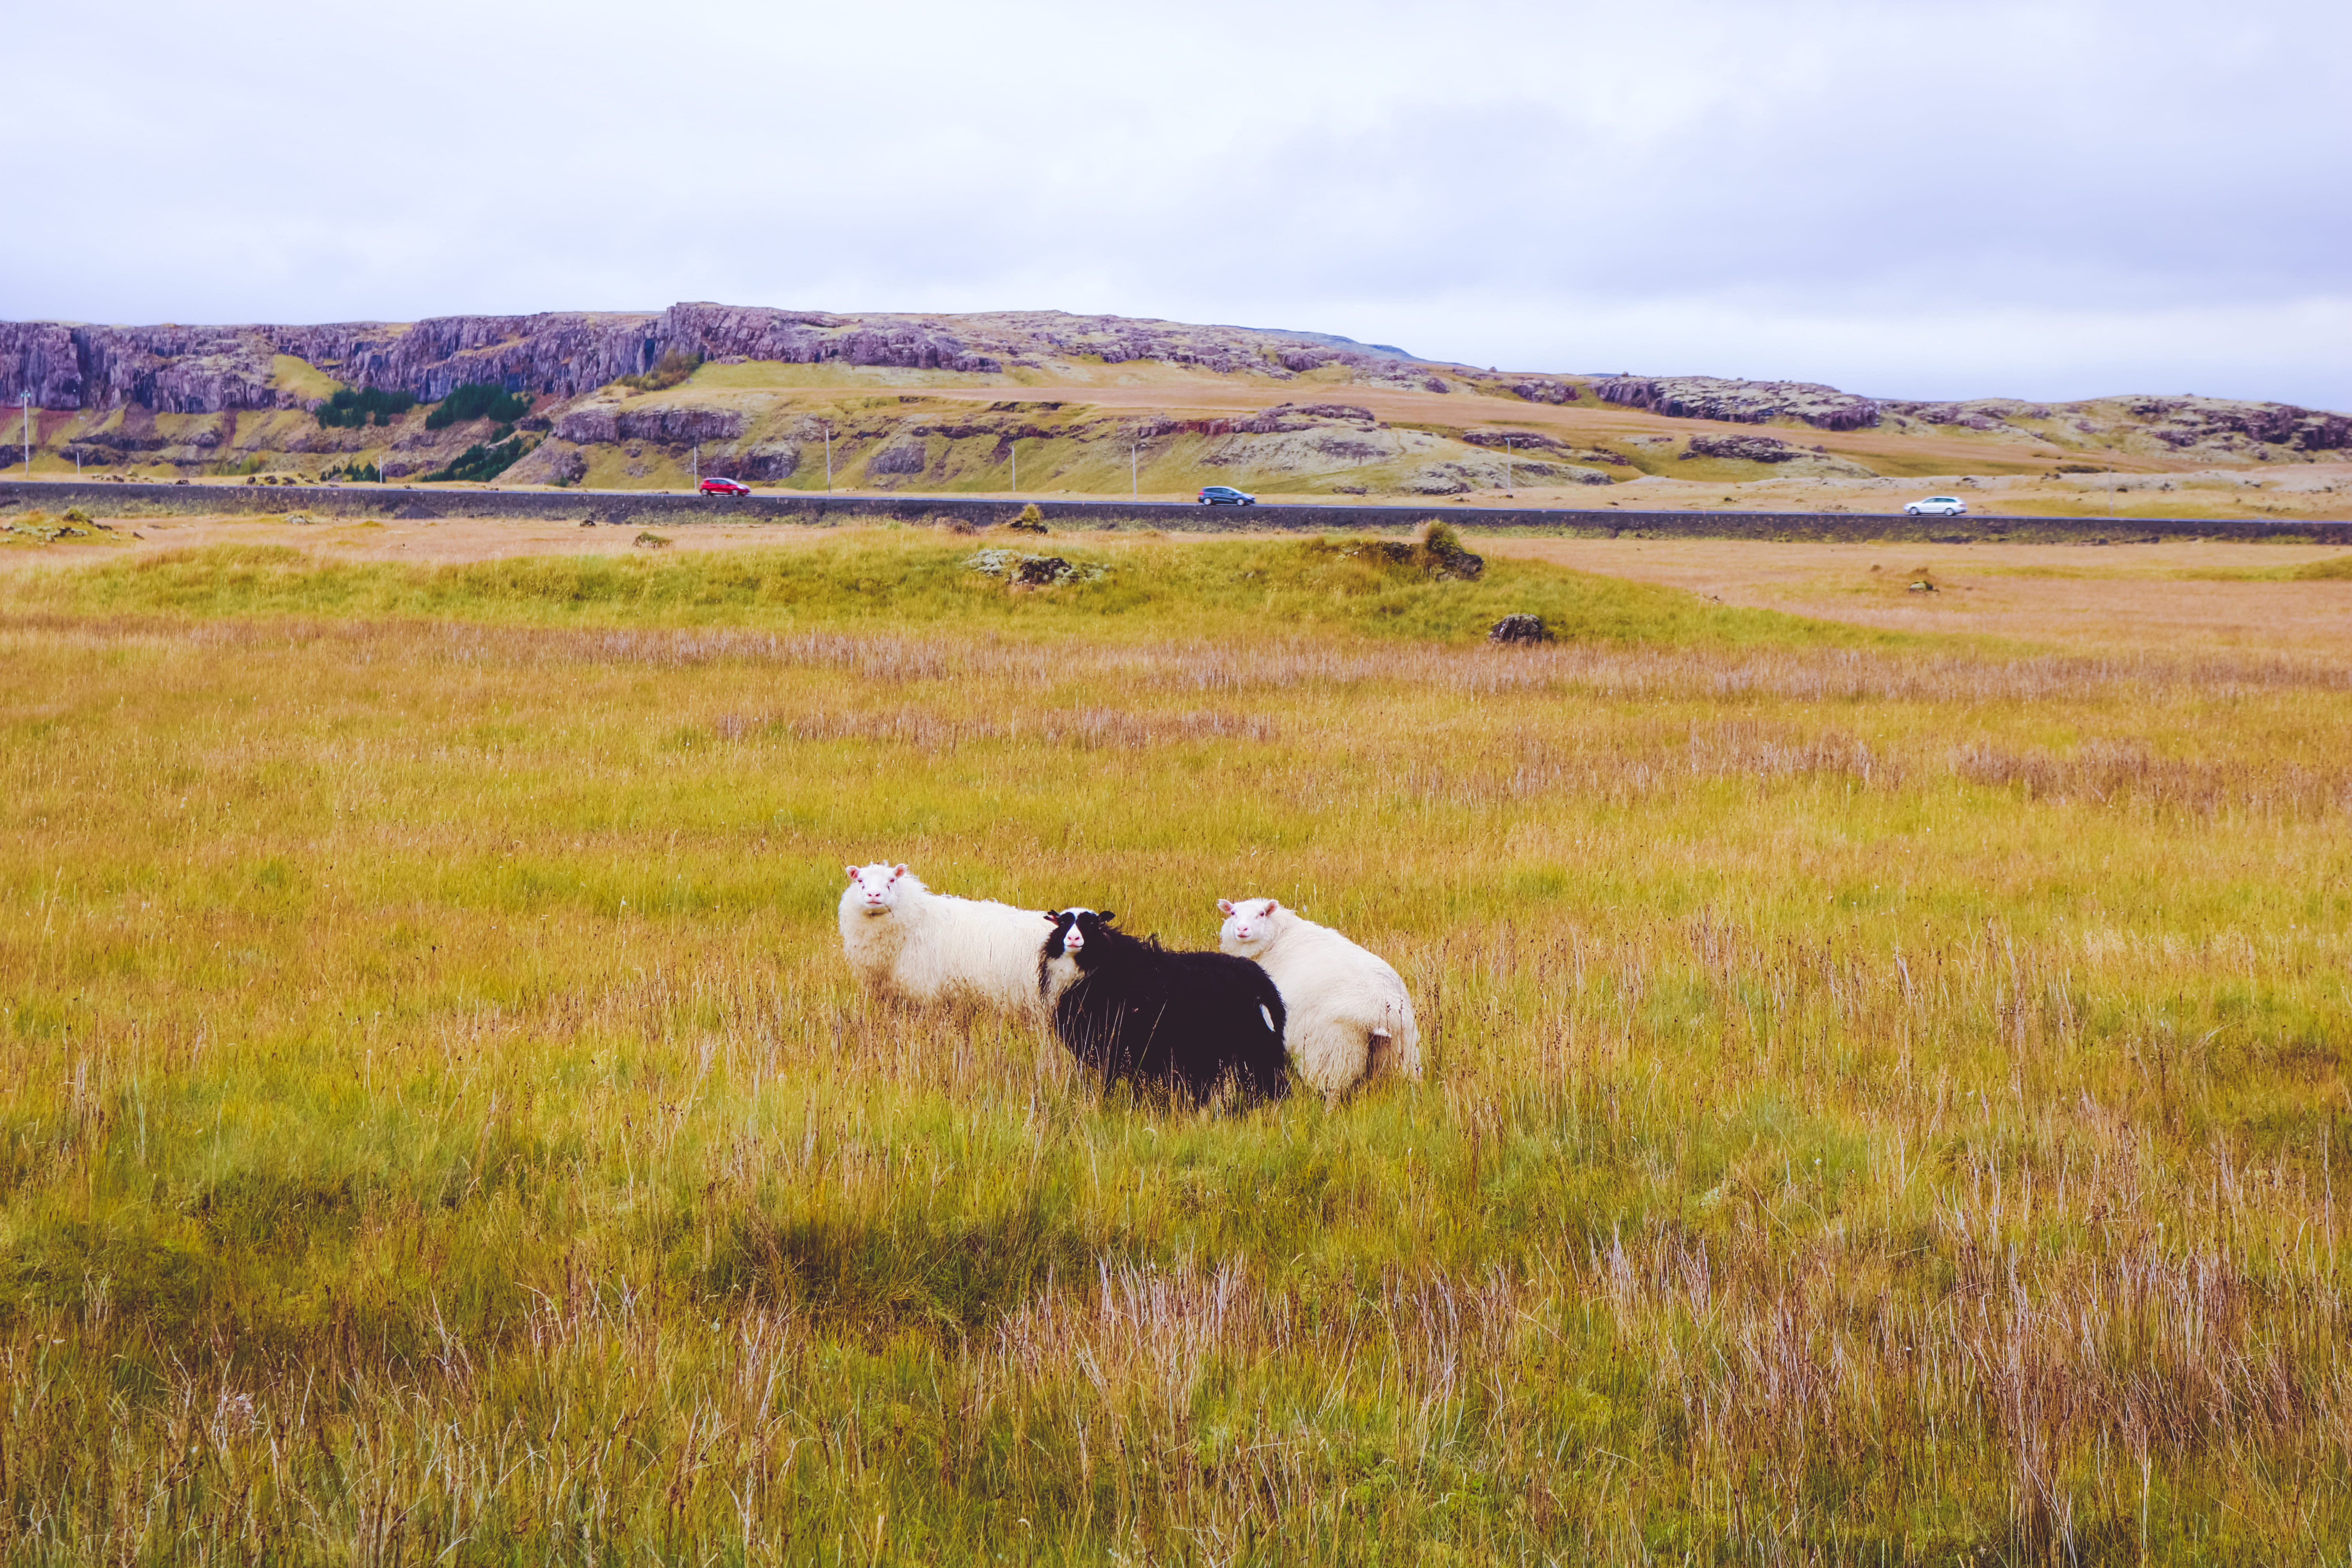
x=1131 y=1011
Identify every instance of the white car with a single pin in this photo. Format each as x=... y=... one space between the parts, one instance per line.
x=1937 y=506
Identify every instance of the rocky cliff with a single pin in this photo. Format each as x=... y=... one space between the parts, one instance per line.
x=171 y=396
x=2219 y=427
x=208 y=370
x=1741 y=402
x=2218 y=424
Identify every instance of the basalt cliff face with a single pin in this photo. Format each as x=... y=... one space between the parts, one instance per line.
x=175 y=369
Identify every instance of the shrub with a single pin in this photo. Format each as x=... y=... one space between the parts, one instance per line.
x=673 y=368
x=349 y=409
x=482 y=460
x=478 y=400
x=361 y=473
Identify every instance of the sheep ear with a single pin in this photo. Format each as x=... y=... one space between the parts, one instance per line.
x=898 y=872
x=1052 y=917
x=853 y=872
x=1225 y=906
x=1105 y=916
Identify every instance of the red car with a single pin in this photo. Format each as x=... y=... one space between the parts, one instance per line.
x=725 y=488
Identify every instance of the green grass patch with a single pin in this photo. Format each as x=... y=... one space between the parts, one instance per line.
x=1884 y=1103
x=289 y=373
x=1147 y=587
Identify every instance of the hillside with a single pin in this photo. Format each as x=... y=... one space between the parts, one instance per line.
x=1083 y=403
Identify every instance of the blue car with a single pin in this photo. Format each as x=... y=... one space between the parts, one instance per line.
x=1225 y=495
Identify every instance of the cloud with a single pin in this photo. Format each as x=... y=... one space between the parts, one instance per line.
x=2044 y=200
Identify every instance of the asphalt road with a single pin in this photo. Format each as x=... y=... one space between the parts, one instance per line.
x=806 y=507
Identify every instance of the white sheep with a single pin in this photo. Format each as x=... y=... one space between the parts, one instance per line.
x=1349 y=1016
x=931 y=948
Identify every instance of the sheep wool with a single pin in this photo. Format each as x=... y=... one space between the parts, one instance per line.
x=1350 y=1018
x=1131 y=1011
x=933 y=948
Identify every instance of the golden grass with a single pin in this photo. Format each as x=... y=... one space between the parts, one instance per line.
x=2181 y=594
x=1884 y=1097
x=299 y=376
x=1134 y=585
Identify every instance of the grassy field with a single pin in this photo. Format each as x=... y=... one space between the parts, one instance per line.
x=1883 y=1103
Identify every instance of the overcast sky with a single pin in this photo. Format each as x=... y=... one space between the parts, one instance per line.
x=1963 y=197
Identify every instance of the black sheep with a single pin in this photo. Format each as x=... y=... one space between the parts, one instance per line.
x=1129 y=1009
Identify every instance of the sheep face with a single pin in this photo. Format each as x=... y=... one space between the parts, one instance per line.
x=1249 y=924
x=874 y=889
x=1076 y=942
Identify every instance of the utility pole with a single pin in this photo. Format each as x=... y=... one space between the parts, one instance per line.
x=1506 y=465
x=29 y=435
x=697 y=464
x=1016 y=465
x=828 y=459
x=1134 y=485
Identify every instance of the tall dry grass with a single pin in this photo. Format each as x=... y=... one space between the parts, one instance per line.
x=1884 y=1103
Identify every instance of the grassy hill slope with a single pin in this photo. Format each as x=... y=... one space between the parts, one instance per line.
x=1088 y=405
x=1124 y=589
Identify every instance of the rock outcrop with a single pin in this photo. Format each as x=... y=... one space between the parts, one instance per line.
x=1741 y=402
x=674 y=426
x=1745 y=448
x=1515 y=440
x=598 y=422
x=2222 y=426
x=768 y=460
x=904 y=456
